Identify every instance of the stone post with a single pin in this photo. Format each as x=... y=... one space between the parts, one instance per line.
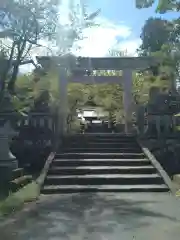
x=127 y=99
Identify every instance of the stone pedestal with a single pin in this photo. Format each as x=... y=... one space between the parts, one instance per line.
x=6 y=157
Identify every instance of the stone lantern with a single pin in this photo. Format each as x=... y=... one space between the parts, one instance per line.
x=8 y=118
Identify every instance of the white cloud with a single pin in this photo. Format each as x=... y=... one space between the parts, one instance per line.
x=98 y=40
x=120 y=29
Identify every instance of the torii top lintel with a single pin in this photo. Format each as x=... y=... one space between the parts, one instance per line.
x=117 y=63
x=104 y=63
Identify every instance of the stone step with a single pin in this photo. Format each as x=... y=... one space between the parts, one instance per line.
x=102 y=150
x=101 y=144
x=103 y=140
x=100 y=136
x=121 y=135
x=113 y=135
x=108 y=179
x=100 y=162
x=100 y=155
x=16 y=173
x=60 y=189
x=83 y=170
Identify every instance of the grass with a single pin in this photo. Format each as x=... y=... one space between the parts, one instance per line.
x=16 y=201
x=178 y=193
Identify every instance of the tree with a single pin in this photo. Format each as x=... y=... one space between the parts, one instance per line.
x=155 y=33
x=162 y=7
x=24 y=24
x=24 y=35
x=160 y=38
x=71 y=33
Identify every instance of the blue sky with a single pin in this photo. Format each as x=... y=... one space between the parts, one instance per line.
x=120 y=26
x=126 y=11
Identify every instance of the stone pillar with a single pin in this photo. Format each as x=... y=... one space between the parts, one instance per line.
x=158 y=125
x=49 y=124
x=140 y=119
x=127 y=99
x=6 y=157
x=63 y=103
x=166 y=121
x=173 y=124
x=41 y=122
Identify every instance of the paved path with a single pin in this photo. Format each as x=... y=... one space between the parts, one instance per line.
x=144 y=216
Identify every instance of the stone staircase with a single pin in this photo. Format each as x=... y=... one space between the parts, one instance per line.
x=102 y=163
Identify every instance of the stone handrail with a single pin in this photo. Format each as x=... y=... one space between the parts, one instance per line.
x=158 y=166
x=40 y=180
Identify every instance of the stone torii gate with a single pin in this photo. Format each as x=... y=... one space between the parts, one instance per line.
x=84 y=65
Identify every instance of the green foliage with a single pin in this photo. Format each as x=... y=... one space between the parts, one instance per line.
x=109 y=96
x=160 y=38
x=162 y=7
x=23 y=99
x=142 y=82
x=29 y=20
x=144 y=3
x=155 y=33
x=23 y=24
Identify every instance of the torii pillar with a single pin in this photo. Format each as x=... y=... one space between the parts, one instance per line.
x=63 y=100
x=127 y=99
